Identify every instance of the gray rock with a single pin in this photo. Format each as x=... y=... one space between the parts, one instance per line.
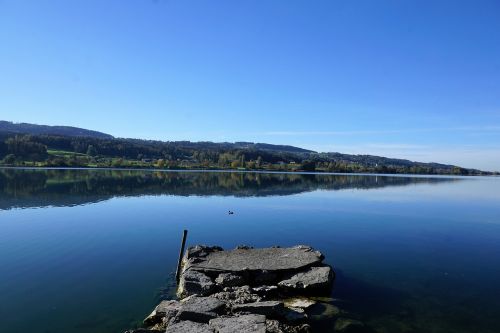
x=240 y=324
x=237 y=295
x=229 y=280
x=313 y=279
x=266 y=259
x=195 y=283
x=346 y=325
x=143 y=330
x=200 y=309
x=267 y=308
x=166 y=309
x=189 y=327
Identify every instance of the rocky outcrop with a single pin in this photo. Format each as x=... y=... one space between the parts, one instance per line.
x=247 y=290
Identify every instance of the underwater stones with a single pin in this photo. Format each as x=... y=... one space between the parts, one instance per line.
x=200 y=309
x=229 y=280
x=195 y=283
x=189 y=327
x=324 y=310
x=313 y=279
x=267 y=308
x=346 y=325
x=242 y=324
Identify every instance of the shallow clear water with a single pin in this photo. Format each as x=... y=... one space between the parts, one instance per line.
x=94 y=251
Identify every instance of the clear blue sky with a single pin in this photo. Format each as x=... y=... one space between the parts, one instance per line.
x=411 y=79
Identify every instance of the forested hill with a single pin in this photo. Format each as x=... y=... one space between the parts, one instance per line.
x=35 y=145
x=33 y=129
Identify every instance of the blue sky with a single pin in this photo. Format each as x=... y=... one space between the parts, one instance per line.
x=410 y=79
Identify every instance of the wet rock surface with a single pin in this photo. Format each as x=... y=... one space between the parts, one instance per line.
x=247 y=290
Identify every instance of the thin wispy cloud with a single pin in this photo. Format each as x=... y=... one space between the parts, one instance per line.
x=375 y=132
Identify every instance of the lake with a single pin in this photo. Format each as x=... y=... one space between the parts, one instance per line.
x=95 y=250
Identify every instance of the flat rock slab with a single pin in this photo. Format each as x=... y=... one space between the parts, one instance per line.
x=266 y=259
x=189 y=327
x=241 y=324
x=315 y=278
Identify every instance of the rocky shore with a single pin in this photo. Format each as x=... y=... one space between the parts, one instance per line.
x=246 y=290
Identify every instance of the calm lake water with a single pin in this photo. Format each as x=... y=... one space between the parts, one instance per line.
x=94 y=250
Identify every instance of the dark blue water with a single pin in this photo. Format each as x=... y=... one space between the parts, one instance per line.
x=93 y=251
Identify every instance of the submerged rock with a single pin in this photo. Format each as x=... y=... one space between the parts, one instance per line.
x=240 y=324
x=313 y=279
x=346 y=325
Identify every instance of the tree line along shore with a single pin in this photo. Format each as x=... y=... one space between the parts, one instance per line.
x=69 y=151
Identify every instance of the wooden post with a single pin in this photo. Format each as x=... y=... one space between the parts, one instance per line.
x=181 y=254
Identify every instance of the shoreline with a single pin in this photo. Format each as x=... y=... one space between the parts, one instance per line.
x=254 y=171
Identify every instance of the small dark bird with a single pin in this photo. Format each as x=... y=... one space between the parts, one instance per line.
x=230 y=212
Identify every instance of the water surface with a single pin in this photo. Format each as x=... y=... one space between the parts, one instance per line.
x=94 y=250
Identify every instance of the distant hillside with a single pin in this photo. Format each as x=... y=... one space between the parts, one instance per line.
x=32 y=129
x=62 y=146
